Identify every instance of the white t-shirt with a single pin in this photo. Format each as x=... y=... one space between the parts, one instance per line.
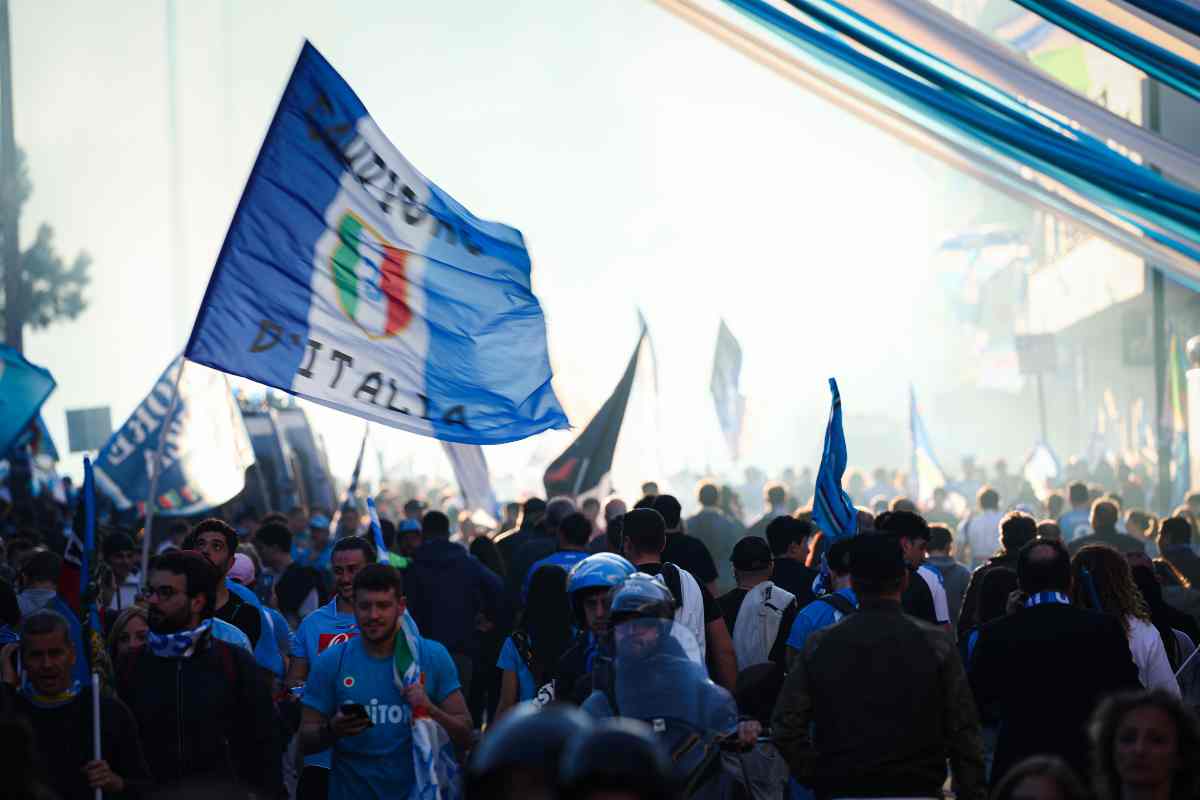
x=1146 y=645
x=933 y=579
x=982 y=532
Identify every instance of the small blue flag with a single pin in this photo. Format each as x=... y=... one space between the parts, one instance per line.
x=833 y=511
x=381 y=551
x=24 y=387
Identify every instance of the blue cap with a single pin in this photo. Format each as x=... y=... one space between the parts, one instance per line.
x=319 y=521
x=409 y=526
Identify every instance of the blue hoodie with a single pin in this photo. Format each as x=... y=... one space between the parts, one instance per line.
x=446 y=588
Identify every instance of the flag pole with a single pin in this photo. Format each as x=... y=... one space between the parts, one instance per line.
x=96 y=754
x=155 y=470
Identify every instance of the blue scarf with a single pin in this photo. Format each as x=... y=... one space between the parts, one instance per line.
x=1044 y=598
x=181 y=644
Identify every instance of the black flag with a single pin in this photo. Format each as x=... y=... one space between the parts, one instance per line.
x=584 y=464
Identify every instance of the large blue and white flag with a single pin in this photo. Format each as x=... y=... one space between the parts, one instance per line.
x=350 y=279
x=24 y=387
x=474 y=479
x=726 y=374
x=205 y=455
x=833 y=510
x=927 y=473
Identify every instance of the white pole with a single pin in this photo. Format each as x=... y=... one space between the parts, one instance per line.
x=155 y=469
x=96 y=754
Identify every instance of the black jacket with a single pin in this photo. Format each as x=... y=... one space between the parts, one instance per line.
x=204 y=718
x=63 y=738
x=888 y=704
x=968 y=616
x=447 y=589
x=1037 y=714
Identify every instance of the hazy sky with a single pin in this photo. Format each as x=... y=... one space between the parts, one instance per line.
x=646 y=164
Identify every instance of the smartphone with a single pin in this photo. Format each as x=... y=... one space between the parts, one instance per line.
x=355 y=710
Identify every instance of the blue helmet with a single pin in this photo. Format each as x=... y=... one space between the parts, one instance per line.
x=599 y=571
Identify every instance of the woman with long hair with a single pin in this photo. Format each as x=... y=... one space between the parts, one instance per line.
x=1145 y=746
x=530 y=656
x=1040 y=777
x=128 y=633
x=1103 y=581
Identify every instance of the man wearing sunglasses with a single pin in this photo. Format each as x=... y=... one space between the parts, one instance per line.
x=203 y=710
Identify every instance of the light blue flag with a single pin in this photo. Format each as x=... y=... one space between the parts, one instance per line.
x=927 y=473
x=350 y=279
x=381 y=550
x=833 y=511
x=24 y=387
x=726 y=373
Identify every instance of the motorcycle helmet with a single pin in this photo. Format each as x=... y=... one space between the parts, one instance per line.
x=616 y=755
x=599 y=571
x=640 y=597
x=522 y=750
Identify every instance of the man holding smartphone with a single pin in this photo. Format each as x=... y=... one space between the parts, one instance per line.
x=354 y=705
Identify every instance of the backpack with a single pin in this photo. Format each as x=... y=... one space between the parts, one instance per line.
x=840 y=604
x=758 y=622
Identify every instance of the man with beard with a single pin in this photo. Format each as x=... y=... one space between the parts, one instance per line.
x=218 y=543
x=59 y=710
x=354 y=705
x=329 y=625
x=203 y=710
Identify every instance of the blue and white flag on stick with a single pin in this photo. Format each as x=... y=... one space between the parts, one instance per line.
x=474 y=481
x=726 y=374
x=205 y=455
x=833 y=511
x=381 y=550
x=927 y=473
x=350 y=279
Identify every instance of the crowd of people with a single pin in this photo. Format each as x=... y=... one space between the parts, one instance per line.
x=1019 y=648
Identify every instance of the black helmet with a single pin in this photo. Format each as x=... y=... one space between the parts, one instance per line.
x=617 y=753
x=529 y=738
x=640 y=597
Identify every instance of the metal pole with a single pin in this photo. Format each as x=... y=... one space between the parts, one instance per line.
x=1162 y=495
x=14 y=305
x=177 y=239
x=155 y=470
x=1041 y=391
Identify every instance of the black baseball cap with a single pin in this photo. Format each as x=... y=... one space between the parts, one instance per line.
x=751 y=553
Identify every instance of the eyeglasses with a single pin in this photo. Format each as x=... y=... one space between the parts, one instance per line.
x=163 y=592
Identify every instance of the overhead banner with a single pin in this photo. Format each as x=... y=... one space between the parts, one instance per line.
x=204 y=457
x=726 y=374
x=24 y=387
x=350 y=279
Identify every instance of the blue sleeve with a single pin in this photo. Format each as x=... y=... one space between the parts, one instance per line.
x=320 y=688
x=300 y=642
x=805 y=624
x=509 y=658
x=441 y=676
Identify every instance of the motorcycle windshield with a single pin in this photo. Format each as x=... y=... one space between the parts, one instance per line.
x=656 y=680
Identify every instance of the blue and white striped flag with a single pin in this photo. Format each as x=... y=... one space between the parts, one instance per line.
x=350 y=279
x=833 y=511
